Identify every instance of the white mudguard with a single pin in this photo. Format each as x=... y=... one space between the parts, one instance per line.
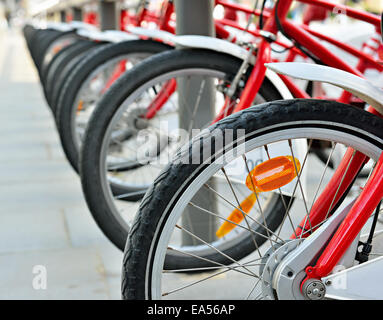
x=214 y=44
x=108 y=36
x=164 y=36
x=358 y=86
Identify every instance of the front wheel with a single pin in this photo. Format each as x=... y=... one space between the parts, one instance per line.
x=165 y=227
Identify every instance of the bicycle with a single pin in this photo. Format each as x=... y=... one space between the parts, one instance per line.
x=323 y=247
x=144 y=96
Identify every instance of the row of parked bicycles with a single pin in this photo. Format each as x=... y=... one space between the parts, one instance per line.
x=252 y=184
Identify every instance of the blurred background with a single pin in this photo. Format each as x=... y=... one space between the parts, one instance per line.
x=15 y=12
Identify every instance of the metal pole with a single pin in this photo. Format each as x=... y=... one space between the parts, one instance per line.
x=63 y=15
x=109 y=15
x=77 y=13
x=196 y=18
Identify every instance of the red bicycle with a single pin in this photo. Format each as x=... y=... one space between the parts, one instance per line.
x=140 y=123
x=324 y=243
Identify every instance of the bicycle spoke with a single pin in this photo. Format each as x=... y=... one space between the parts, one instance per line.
x=214 y=248
x=340 y=184
x=300 y=183
x=219 y=265
x=239 y=206
x=249 y=229
x=252 y=290
x=256 y=196
x=323 y=174
x=235 y=207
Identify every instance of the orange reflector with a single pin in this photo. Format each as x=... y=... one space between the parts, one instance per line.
x=56 y=49
x=273 y=174
x=236 y=216
x=80 y=106
x=267 y=176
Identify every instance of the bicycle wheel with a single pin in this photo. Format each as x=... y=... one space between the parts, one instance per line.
x=88 y=82
x=40 y=42
x=68 y=69
x=66 y=39
x=63 y=62
x=116 y=164
x=53 y=63
x=281 y=128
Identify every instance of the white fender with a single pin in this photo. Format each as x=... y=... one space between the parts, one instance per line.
x=63 y=27
x=214 y=44
x=358 y=86
x=82 y=25
x=108 y=36
x=164 y=36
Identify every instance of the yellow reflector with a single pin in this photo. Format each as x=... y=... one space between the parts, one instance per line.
x=273 y=174
x=236 y=216
x=267 y=176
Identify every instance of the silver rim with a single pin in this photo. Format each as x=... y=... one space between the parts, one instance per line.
x=155 y=273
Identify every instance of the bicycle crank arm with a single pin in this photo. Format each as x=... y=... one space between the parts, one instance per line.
x=360 y=282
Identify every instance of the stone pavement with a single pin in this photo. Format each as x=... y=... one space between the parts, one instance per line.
x=44 y=220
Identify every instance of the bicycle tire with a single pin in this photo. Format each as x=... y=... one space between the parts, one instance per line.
x=59 y=64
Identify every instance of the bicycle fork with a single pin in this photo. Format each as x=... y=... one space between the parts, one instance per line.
x=322 y=252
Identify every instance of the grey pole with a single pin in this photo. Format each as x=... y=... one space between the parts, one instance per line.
x=196 y=18
x=77 y=13
x=109 y=17
x=63 y=15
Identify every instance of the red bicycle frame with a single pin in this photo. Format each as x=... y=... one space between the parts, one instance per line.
x=352 y=161
x=301 y=34
x=163 y=21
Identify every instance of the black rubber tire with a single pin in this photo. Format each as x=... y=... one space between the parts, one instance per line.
x=45 y=62
x=45 y=71
x=59 y=64
x=29 y=31
x=110 y=103
x=68 y=69
x=82 y=71
x=275 y=116
x=36 y=39
x=42 y=43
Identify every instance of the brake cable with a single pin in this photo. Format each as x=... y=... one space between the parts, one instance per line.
x=296 y=44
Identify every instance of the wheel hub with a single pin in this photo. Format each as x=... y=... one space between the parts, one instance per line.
x=274 y=259
x=314 y=289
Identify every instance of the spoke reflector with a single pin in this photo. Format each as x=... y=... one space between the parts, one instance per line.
x=267 y=176
x=80 y=106
x=236 y=216
x=273 y=174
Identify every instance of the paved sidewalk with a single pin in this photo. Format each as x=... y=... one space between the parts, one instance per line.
x=44 y=220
